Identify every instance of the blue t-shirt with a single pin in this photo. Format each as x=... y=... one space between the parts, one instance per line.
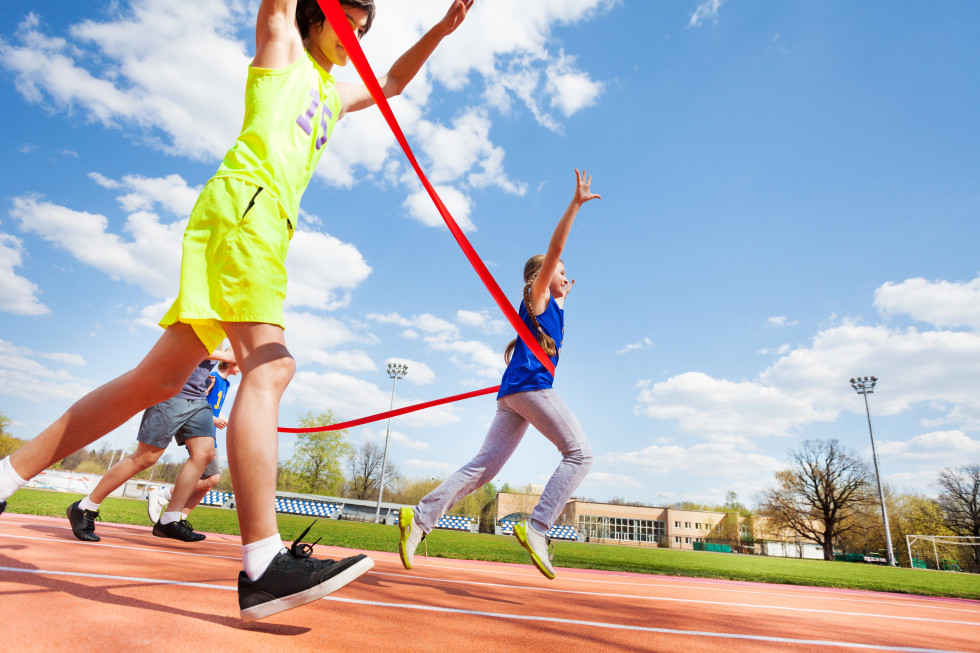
x=197 y=385
x=525 y=372
x=218 y=392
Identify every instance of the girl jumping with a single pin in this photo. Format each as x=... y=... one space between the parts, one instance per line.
x=525 y=397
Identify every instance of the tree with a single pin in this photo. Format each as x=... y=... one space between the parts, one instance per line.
x=819 y=495
x=8 y=443
x=959 y=500
x=317 y=455
x=365 y=471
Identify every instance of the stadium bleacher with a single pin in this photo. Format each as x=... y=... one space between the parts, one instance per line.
x=555 y=533
x=215 y=498
x=304 y=507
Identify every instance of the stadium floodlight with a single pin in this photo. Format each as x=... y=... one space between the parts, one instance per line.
x=865 y=387
x=395 y=371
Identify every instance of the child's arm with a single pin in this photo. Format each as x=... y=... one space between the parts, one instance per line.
x=223 y=355
x=277 y=39
x=354 y=97
x=540 y=286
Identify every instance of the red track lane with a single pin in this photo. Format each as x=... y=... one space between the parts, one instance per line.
x=133 y=590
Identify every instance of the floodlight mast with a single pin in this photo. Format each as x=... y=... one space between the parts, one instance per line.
x=865 y=386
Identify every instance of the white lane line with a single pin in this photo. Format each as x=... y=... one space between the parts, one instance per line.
x=102 y=545
x=675 y=600
x=684 y=583
x=513 y=617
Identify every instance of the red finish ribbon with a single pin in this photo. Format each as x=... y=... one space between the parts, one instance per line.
x=341 y=27
x=391 y=413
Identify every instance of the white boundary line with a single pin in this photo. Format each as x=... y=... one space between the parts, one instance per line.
x=676 y=600
x=513 y=617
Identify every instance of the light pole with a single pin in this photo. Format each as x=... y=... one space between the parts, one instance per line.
x=866 y=386
x=395 y=371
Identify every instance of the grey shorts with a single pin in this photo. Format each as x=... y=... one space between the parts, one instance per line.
x=176 y=418
x=213 y=467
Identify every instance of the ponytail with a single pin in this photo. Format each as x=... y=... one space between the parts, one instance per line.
x=531 y=270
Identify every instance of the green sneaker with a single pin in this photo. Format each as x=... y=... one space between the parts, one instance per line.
x=536 y=545
x=411 y=535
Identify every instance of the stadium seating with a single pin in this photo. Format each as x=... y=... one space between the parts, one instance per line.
x=555 y=533
x=215 y=498
x=304 y=507
x=450 y=522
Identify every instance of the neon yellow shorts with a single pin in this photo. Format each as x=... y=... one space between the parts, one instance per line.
x=233 y=266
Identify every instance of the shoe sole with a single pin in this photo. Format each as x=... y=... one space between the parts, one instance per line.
x=405 y=527
x=550 y=575
x=306 y=596
x=94 y=538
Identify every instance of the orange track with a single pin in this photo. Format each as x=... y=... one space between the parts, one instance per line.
x=135 y=591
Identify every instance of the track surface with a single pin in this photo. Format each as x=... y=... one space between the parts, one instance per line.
x=133 y=591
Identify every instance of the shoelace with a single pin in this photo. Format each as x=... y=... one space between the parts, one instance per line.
x=89 y=517
x=183 y=523
x=300 y=549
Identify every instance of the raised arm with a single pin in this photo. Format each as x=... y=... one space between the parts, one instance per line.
x=552 y=259
x=223 y=355
x=277 y=39
x=355 y=97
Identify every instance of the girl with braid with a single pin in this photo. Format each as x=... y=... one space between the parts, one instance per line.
x=525 y=398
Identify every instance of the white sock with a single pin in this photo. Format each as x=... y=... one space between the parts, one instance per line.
x=168 y=517
x=88 y=504
x=257 y=555
x=10 y=481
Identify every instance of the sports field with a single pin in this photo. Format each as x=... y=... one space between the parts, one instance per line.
x=132 y=590
x=493 y=548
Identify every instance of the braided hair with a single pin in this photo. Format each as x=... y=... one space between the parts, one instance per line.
x=531 y=270
x=309 y=14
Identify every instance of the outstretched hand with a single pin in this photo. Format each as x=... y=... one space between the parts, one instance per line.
x=583 y=192
x=454 y=17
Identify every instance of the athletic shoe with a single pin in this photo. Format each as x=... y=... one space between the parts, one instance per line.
x=178 y=530
x=293 y=578
x=537 y=545
x=82 y=522
x=411 y=535
x=155 y=503
x=3 y=506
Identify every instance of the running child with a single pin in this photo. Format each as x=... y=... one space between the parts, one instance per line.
x=526 y=397
x=233 y=282
x=186 y=418
x=158 y=499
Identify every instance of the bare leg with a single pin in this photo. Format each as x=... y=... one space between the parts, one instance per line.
x=160 y=375
x=253 y=437
x=203 y=486
x=144 y=457
x=200 y=451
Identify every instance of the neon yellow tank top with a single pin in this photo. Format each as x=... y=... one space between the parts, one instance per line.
x=289 y=116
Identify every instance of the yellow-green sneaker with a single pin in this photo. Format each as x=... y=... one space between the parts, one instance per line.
x=537 y=545
x=411 y=535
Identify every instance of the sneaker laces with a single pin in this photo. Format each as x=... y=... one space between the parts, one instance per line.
x=89 y=517
x=302 y=549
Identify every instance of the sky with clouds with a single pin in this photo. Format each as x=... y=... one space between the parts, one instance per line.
x=790 y=198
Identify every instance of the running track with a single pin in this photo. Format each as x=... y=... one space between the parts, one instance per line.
x=133 y=591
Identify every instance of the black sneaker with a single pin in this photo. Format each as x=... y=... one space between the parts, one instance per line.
x=82 y=522
x=294 y=579
x=3 y=506
x=178 y=530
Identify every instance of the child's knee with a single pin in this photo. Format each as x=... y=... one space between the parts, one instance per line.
x=212 y=480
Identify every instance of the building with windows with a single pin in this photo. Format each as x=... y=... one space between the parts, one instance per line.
x=614 y=523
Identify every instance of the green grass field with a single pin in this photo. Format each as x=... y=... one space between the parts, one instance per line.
x=498 y=548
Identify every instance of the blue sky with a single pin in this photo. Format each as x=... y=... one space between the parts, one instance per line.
x=790 y=198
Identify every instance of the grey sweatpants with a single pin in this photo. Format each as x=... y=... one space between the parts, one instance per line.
x=545 y=411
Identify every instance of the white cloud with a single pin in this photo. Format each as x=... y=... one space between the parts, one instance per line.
x=710 y=459
x=932 y=450
x=322 y=271
x=396 y=439
x=482 y=320
x=66 y=358
x=150 y=259
x=707 y=10
x=941 y=303
x=602 y=479
x=642 y=344
x=24 y=377
x=420 y=207
x=18 y=295
x=782 y=349
x=780 y=321
x=430 y=466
